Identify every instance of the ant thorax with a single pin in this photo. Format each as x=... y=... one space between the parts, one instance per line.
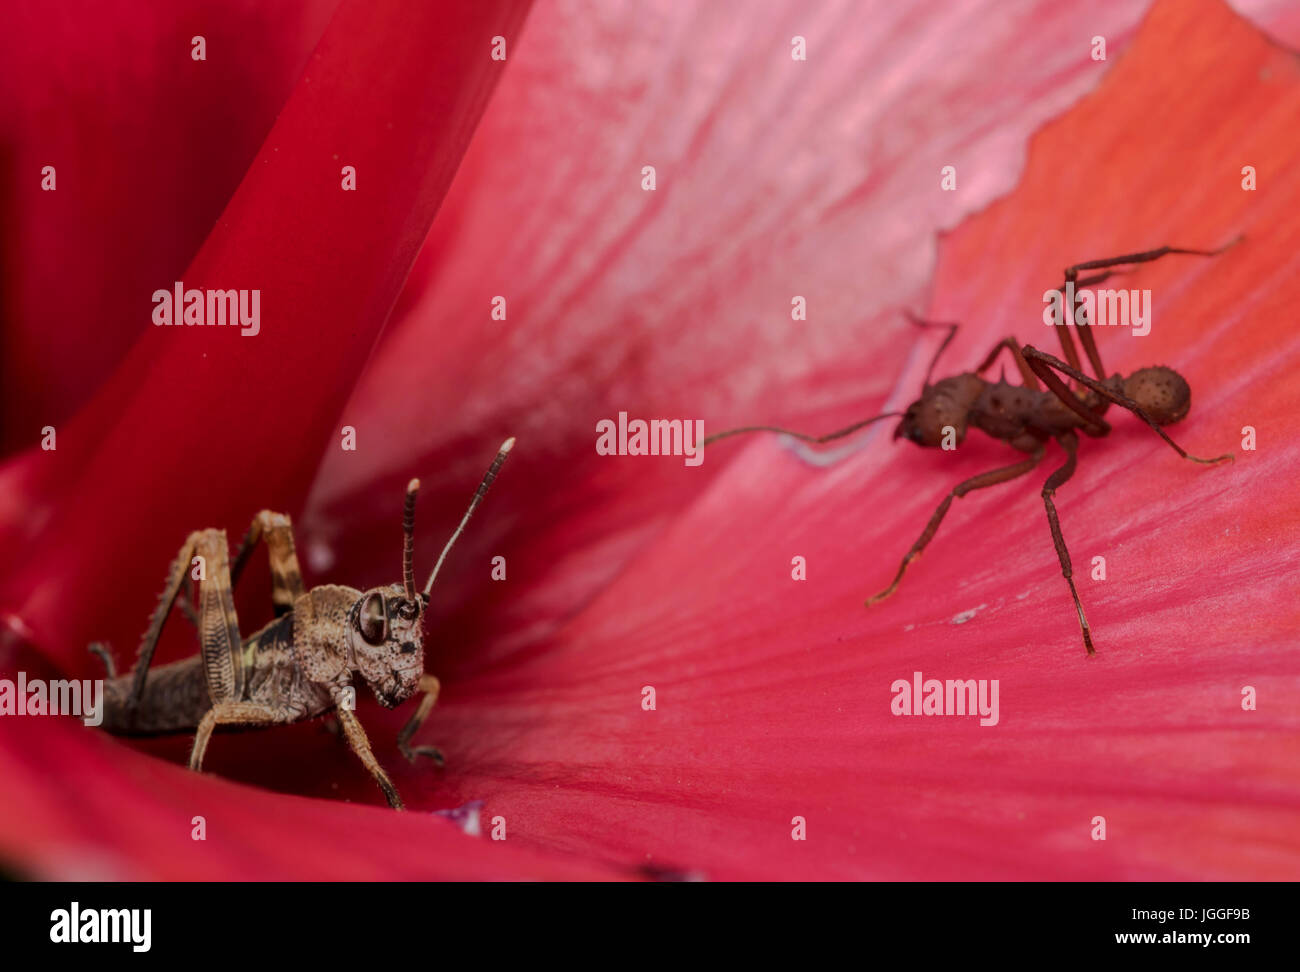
x=1021 y=416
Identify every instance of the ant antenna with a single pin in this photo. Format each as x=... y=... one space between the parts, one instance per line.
x=490 y=475
x=799 y=435
x=408 y=539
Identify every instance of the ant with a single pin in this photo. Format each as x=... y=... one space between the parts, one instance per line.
x=1027 y=416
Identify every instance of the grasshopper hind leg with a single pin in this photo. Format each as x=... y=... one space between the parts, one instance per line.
x=286 y=575
x=177 y=575
x=233 y=714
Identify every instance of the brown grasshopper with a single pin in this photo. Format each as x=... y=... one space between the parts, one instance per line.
x=297 y=667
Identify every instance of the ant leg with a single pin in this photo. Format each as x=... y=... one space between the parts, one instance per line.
x=952 y=333
x=361 y=746
x=1063 y=332
x=1093 y=423
x=1146 y=256
x=1085 y=334
x=1070 y=443
x=1085 y=329
x=1043 y=365
x=1072 y=275
x=990 y=478
x=1026 y=373
x=430 y=687
x=286 y=575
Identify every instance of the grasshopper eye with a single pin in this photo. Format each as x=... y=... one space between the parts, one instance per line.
x=372 y=622
x=407 y=610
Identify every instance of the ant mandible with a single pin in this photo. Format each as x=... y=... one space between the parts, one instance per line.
x=1027 y=416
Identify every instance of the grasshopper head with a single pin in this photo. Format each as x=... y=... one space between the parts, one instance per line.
x=387 y=629
x=387 y=623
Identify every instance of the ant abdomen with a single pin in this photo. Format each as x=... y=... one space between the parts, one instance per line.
x=1160 y=392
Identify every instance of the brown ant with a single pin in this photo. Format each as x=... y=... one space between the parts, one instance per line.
x=1026 y=416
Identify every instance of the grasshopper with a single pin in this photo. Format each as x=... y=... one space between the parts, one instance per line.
x=297 y=667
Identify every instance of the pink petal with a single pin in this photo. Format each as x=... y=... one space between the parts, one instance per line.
x=774 y=696
x=205 y=428
x=776 y=178
x=147 y=146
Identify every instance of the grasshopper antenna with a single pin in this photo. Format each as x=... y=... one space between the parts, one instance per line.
x=799 y=435
x=490 y=475
x=408 y=539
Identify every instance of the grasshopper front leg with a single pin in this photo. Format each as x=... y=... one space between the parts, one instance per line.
x=430 y=686
x=360 y=744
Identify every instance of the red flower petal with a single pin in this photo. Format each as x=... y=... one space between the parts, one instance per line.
x=137 y=822
x=773 y=696
x=147 y=146
x=1280 y=18
x=139 y=440
x=771 y=707
x=206 y=428
x=776 y=178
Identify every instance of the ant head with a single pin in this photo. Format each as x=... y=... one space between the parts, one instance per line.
x=943 y=404
x=387 y=633
x=1161 y=392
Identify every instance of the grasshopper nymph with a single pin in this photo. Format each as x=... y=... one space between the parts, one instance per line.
x=298 y=667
